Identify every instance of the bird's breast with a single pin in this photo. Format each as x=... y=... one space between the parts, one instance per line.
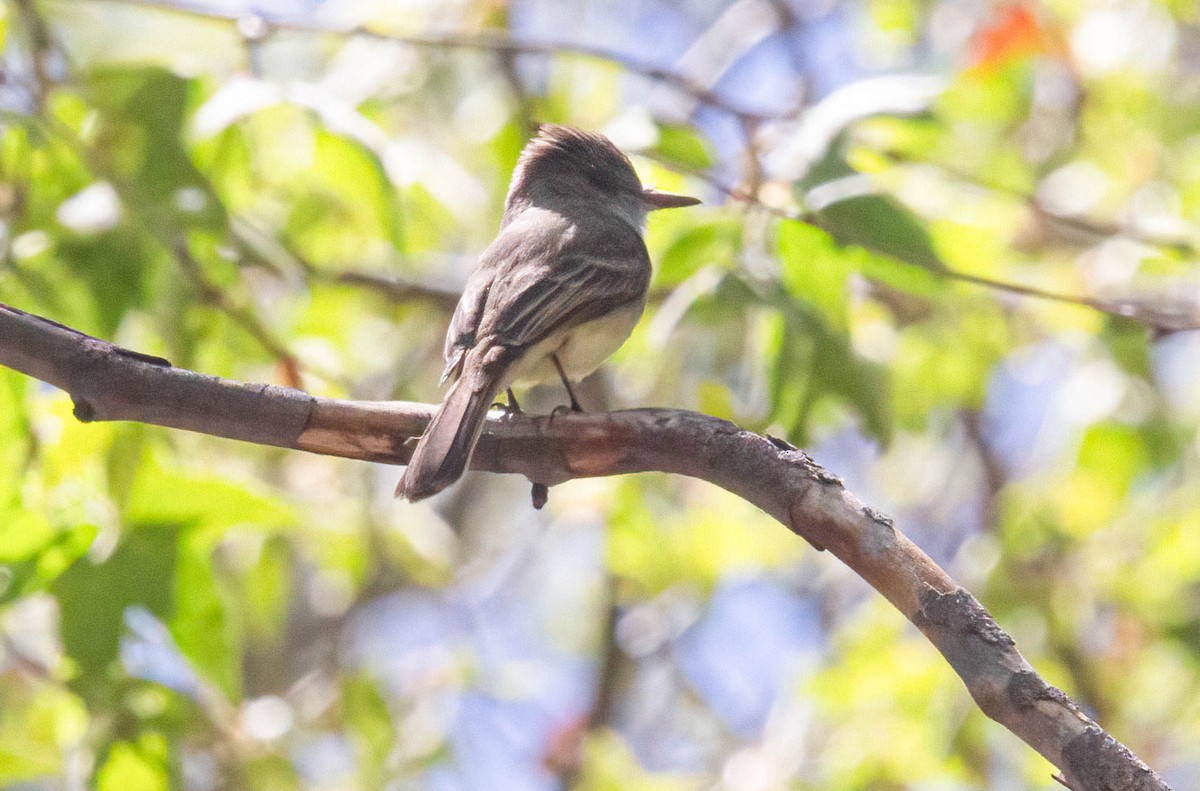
x=580 y=349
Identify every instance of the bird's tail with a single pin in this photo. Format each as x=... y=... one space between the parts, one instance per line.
x=445 y=448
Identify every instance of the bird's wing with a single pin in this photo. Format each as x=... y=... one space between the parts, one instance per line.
x=579 y=289
x=461 y=334
x=525 y=288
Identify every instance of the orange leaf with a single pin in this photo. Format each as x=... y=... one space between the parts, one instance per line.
x=1015 y=33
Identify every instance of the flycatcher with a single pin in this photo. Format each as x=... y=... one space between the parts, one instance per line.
x=555 y=294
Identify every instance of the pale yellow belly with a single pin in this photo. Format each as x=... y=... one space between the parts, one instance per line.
x=580 y=349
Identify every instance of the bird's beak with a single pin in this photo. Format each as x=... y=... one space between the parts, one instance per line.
x=666 y=200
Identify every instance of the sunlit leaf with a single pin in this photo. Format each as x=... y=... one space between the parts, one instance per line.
x=131 y=768
x=15 y=433
x=683 y=146
x=879 y=224
x=205 y=500
x=709 y=244
x=610 y=765
x=814 y=270
x=39 y=725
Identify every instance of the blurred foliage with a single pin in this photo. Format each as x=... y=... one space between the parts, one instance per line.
x=178 y=611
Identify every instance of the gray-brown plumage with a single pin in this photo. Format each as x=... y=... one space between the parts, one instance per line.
x=565 y=279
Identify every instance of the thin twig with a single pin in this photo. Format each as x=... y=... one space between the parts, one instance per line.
x=281 y=258
x=483 y=41
x=1097 y=228
x=1176 y=319
x=241 y=315
x=41 y=45
x=395 y=289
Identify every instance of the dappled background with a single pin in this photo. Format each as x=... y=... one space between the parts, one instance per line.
x=948 y=247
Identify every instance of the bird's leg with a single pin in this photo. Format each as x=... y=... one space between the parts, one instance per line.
x=575 y=407
x=512 y=407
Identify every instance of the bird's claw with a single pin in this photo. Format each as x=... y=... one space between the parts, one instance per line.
x=539 y=494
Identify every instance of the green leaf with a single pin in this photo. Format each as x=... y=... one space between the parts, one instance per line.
x=714 y=243
x=880 y=224
x=204 y=624
x=35 y=554
x=201 y=610
x=814 y=270
x=24 y=533
x=93 y=596
x=123 y=460
x=52 y=173
x=898 y=274
x=684 y=146
x=38 y=725
x=142 y=119
x=271 y=773
x=132 y=768
x=817 y=260
x=367 y=715
x=201 y=500
x=15 y=435
x=358 y=174
x=266 y=591
x=861 y=220
x=116 y=266
x=813 y=362
x=789 y=377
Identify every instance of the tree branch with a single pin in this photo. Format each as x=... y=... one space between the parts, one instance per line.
x=107 y=382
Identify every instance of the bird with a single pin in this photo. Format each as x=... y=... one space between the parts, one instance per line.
x=558 y=290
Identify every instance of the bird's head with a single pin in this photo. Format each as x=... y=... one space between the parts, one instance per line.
x=562 y=163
